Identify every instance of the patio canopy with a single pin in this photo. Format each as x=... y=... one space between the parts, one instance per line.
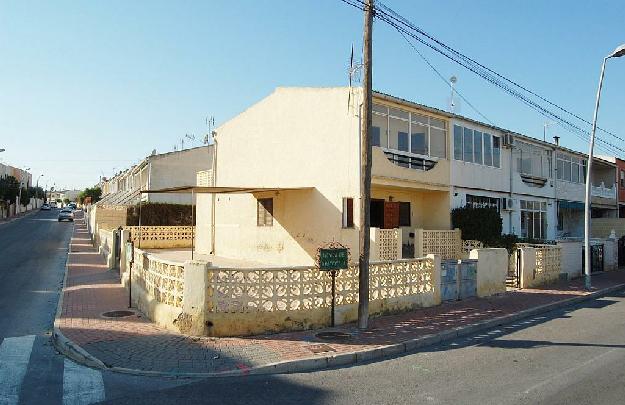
x=220 y=190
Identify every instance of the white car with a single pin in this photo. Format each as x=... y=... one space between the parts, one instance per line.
x=66 y=214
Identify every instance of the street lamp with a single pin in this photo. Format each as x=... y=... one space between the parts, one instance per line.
x=617 y=53
x=2 y=150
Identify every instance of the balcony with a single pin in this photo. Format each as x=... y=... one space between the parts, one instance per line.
x=602 y=191
x=398 y=168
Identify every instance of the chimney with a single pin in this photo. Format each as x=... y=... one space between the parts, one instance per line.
x=556 y=139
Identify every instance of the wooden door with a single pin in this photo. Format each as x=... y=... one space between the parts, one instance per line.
x=391 y=214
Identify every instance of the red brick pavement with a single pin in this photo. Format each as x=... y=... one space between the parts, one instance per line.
x=136 y=343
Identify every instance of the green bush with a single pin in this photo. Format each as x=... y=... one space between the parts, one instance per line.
x=507 y=241
x=483 y=224
x=160 y=214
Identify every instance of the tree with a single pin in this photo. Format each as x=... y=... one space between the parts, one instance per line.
x=483 y=224
x=9 y=189
x=66 y=201
x=94 y=192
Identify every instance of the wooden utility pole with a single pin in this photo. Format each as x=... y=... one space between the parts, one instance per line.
x=365 y=175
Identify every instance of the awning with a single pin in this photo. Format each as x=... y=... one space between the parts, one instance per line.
x=571 y=205
x=220 y=190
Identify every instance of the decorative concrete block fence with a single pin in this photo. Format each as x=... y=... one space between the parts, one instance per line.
x=447 y=244
x=161 y=237
x=386 y=244
x=540 y=264
x=197 y=298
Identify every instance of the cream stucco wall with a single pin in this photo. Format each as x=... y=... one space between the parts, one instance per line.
x=176 y=170
x=294 y=138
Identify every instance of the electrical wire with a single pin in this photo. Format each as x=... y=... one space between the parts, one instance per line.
x=406 y=28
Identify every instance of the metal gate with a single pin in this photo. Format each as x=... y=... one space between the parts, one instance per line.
x=596 y=258
x=514 y=269
x=117 y=247
x=458 y=279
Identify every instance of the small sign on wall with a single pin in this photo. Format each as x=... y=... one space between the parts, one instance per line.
x=333 y=259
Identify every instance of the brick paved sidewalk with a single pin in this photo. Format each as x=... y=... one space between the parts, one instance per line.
x=135 y=343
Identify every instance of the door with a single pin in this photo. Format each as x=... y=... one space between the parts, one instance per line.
x=391 y=214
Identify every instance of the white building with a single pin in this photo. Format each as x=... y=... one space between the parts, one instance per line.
x=157 y=171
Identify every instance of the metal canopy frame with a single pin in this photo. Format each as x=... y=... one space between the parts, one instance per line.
x=193 y=190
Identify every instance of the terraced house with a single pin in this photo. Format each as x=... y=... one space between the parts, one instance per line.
x=286 y=178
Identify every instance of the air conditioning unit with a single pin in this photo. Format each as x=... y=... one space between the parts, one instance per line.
x=507 y=204
x=508 y=140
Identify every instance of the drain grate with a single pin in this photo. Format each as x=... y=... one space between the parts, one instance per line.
x=337 y=336
x=117 y=314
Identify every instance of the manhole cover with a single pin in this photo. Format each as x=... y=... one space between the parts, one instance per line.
x=117 y=314
x=333 y=336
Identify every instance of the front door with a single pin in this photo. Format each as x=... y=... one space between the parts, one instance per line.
x=391 y=214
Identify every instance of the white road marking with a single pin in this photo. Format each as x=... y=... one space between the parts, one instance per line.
x=14 y=358
x=81 y=385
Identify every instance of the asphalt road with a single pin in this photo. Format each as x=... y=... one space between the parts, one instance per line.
x=575 y=355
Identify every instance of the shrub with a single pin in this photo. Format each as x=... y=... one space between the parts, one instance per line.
x=483 y=224
x=160 y=214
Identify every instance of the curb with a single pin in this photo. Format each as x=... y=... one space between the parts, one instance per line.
x=17 y=218
x=78 y=354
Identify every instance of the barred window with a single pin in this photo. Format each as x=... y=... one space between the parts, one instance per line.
x=264 y=212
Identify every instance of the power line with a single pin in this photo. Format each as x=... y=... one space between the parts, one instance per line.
x=444 y=79
x=405 y=27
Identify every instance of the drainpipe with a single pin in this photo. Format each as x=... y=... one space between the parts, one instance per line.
x=213 y=196
x=510 y=170
x=554 y=162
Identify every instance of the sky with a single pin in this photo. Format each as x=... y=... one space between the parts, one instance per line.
x=90 y=88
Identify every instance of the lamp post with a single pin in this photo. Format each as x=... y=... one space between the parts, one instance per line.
x=617 y=53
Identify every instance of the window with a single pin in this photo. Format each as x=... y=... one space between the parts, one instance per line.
x=533 y=219
x=264 y=212
x=476 y=147
x=457 y=142
x=396 y=129
x=468 y=145
x=418 y=140
x=404 y=214
x=496 y=151
x=348 y=212
x=488 y=150
x=476 y=201
x=379 y=126
x=569 y=168
x=622 y=179
x=533 y=160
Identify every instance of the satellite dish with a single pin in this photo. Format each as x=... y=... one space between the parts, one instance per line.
x=153 y=152
x=453 y=79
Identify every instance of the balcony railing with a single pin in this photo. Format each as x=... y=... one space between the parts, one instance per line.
x=604 y=192
x=410 y=161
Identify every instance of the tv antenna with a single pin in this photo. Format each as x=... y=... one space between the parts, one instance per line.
x=453 y=103
x=210 y=125
x=354 y=74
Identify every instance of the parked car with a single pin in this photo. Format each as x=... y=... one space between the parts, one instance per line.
x=66 y=214
x=72 y=205
x=45 y=207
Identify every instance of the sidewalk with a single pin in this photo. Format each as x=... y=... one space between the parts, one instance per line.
x=135 y=345
x=18 y=216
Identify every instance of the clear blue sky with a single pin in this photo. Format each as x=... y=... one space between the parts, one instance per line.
x=89 y=87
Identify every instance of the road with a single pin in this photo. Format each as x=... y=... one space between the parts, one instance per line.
x=575 y=355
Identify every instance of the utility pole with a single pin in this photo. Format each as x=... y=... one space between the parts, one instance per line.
x=365 y=175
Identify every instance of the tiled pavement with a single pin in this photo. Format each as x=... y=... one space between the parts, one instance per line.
x=135 y=343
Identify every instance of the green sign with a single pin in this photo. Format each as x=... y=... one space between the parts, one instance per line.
x=332 y=259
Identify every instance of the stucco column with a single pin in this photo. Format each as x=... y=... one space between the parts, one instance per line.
x=492 y=269
x=528 y=266
x=436 y=278
x=192 y=321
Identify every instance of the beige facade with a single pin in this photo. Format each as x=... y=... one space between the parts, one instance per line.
x=305 y=141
